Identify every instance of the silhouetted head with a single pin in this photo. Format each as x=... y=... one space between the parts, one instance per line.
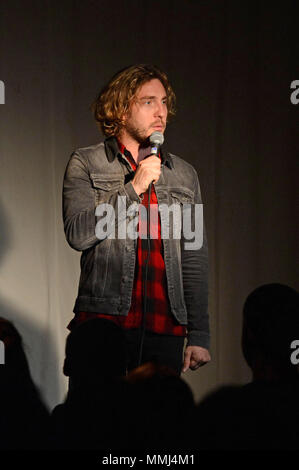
x=15 y=376
x=161 y=407
x=162 y=385
x=96 y=349
x=14 y=355
x=270 y=324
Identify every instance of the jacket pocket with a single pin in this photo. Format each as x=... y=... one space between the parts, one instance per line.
x=104 y=186
x=182 y=196
x=105 y=183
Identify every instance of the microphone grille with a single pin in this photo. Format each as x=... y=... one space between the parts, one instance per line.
x=156 y=138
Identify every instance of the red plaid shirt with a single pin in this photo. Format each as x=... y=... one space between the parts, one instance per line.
x=159 y=318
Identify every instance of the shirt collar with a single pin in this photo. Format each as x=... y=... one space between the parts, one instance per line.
x=112 y=150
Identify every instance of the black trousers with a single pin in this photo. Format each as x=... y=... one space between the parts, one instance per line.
x=163 y=349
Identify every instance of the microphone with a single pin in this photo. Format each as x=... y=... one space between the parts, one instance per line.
x=156 y=140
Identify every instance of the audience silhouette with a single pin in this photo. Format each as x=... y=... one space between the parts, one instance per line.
x=151 y=408
x=104 y=409
x=161 y=407
x=263 y=414
x=24 y=419
x=92 y=415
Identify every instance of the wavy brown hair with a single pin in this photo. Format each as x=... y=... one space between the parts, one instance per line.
x=115 y=98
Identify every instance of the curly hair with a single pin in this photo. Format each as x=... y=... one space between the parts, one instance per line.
x=115 y=98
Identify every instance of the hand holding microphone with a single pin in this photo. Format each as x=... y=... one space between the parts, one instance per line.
x=149 y=169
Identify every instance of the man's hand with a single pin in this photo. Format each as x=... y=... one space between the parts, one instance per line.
x=147 y=171
x=195 y=357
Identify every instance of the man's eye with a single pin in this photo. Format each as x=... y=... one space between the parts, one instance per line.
x=148 y=102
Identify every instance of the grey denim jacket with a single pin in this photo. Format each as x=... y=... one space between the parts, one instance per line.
x=99 y=174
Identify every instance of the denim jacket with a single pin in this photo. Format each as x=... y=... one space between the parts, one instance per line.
x=101 y=174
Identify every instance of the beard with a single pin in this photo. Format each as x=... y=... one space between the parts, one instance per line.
x=137 y=133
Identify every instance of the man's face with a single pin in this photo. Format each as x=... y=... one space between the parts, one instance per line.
x=148 y=112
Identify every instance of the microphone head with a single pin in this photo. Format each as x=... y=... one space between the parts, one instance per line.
x=156 y=138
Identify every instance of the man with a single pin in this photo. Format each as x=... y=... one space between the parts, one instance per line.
x=156 y=289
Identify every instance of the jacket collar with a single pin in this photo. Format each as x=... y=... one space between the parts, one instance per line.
x=112 y=150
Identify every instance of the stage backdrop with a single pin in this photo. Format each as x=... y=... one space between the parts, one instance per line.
x=231 y=64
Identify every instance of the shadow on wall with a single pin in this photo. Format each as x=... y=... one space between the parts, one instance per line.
x=38 y=343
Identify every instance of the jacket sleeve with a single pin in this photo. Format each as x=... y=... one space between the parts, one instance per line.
x=80 y=203
x=195 y=280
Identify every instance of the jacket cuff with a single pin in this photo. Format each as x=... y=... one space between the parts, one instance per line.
x=130 y=191
x=198 y=338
